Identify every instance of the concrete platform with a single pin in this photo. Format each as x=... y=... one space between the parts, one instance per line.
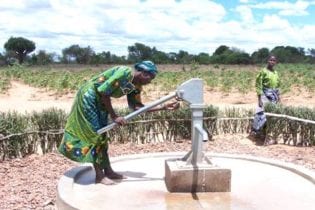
x=201 y=177
x=256 y=183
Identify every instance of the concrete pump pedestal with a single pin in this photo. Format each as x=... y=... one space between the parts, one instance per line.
x=204 y=177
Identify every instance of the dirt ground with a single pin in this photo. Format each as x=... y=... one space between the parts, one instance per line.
x=30 y=183
x=23 y=98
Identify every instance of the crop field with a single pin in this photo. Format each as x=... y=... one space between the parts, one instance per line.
x=220 y=77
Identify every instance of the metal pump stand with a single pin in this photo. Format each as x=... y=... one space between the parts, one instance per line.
x=191 y=92
x=194 y=172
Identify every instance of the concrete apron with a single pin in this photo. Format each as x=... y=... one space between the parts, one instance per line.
x=256 y=183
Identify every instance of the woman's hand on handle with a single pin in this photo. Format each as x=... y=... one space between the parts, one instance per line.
x=120 y=120
x=172 y=106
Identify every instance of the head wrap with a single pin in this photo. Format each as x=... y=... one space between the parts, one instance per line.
x=147 y=66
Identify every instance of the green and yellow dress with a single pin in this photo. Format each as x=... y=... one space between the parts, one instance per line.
x=81 y=142
x=267 y=85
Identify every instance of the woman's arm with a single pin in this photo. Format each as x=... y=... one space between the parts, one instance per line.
x=259 y=87
x=169 y=106
x=106 y=101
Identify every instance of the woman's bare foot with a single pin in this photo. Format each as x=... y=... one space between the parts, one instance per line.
x=100 y=176
x=271 y=142
x=109 y=173
x=105 y=181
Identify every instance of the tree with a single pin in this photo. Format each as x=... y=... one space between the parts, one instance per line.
x=159 y=56
x=172 y=57
x=101 y=58
x=43 y=58
x=311 y=52
x=227 y=55
x=220 y=55
x=85 y=55
x=77 y=54
x=288 y=54
x=237 y=57
x=183 y=57
x=261 y=55
x=310 y=57
x=202 y=58
x=69 y=55
x=119 y=59
x=20 y=46
x=2 y=60
x=139 y=52
x=221 y=49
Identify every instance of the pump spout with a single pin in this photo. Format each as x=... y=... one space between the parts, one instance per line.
x=202 y=132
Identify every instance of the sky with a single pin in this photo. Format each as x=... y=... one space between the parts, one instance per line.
x=194 y=26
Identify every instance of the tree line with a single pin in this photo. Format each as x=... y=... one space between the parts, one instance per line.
x=19 y=49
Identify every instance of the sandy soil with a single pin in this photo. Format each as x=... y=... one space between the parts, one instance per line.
x=23 y=98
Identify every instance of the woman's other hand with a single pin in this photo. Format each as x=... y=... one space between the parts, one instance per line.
x=120 y=120
x=171 y=106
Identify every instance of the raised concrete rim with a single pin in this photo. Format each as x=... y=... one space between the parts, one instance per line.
x=64 y=187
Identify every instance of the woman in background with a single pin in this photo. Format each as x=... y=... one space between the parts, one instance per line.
x=267 y=88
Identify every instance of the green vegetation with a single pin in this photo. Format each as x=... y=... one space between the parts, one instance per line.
x=292 y=131
x=60 y=80
x=22 y=134
x=226 y=78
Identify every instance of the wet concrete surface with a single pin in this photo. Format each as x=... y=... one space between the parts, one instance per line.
x=254 y=185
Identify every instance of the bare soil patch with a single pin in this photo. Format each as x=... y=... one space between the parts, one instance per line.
x=24 y=98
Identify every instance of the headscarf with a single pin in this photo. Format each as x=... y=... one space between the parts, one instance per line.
x=147 y=66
